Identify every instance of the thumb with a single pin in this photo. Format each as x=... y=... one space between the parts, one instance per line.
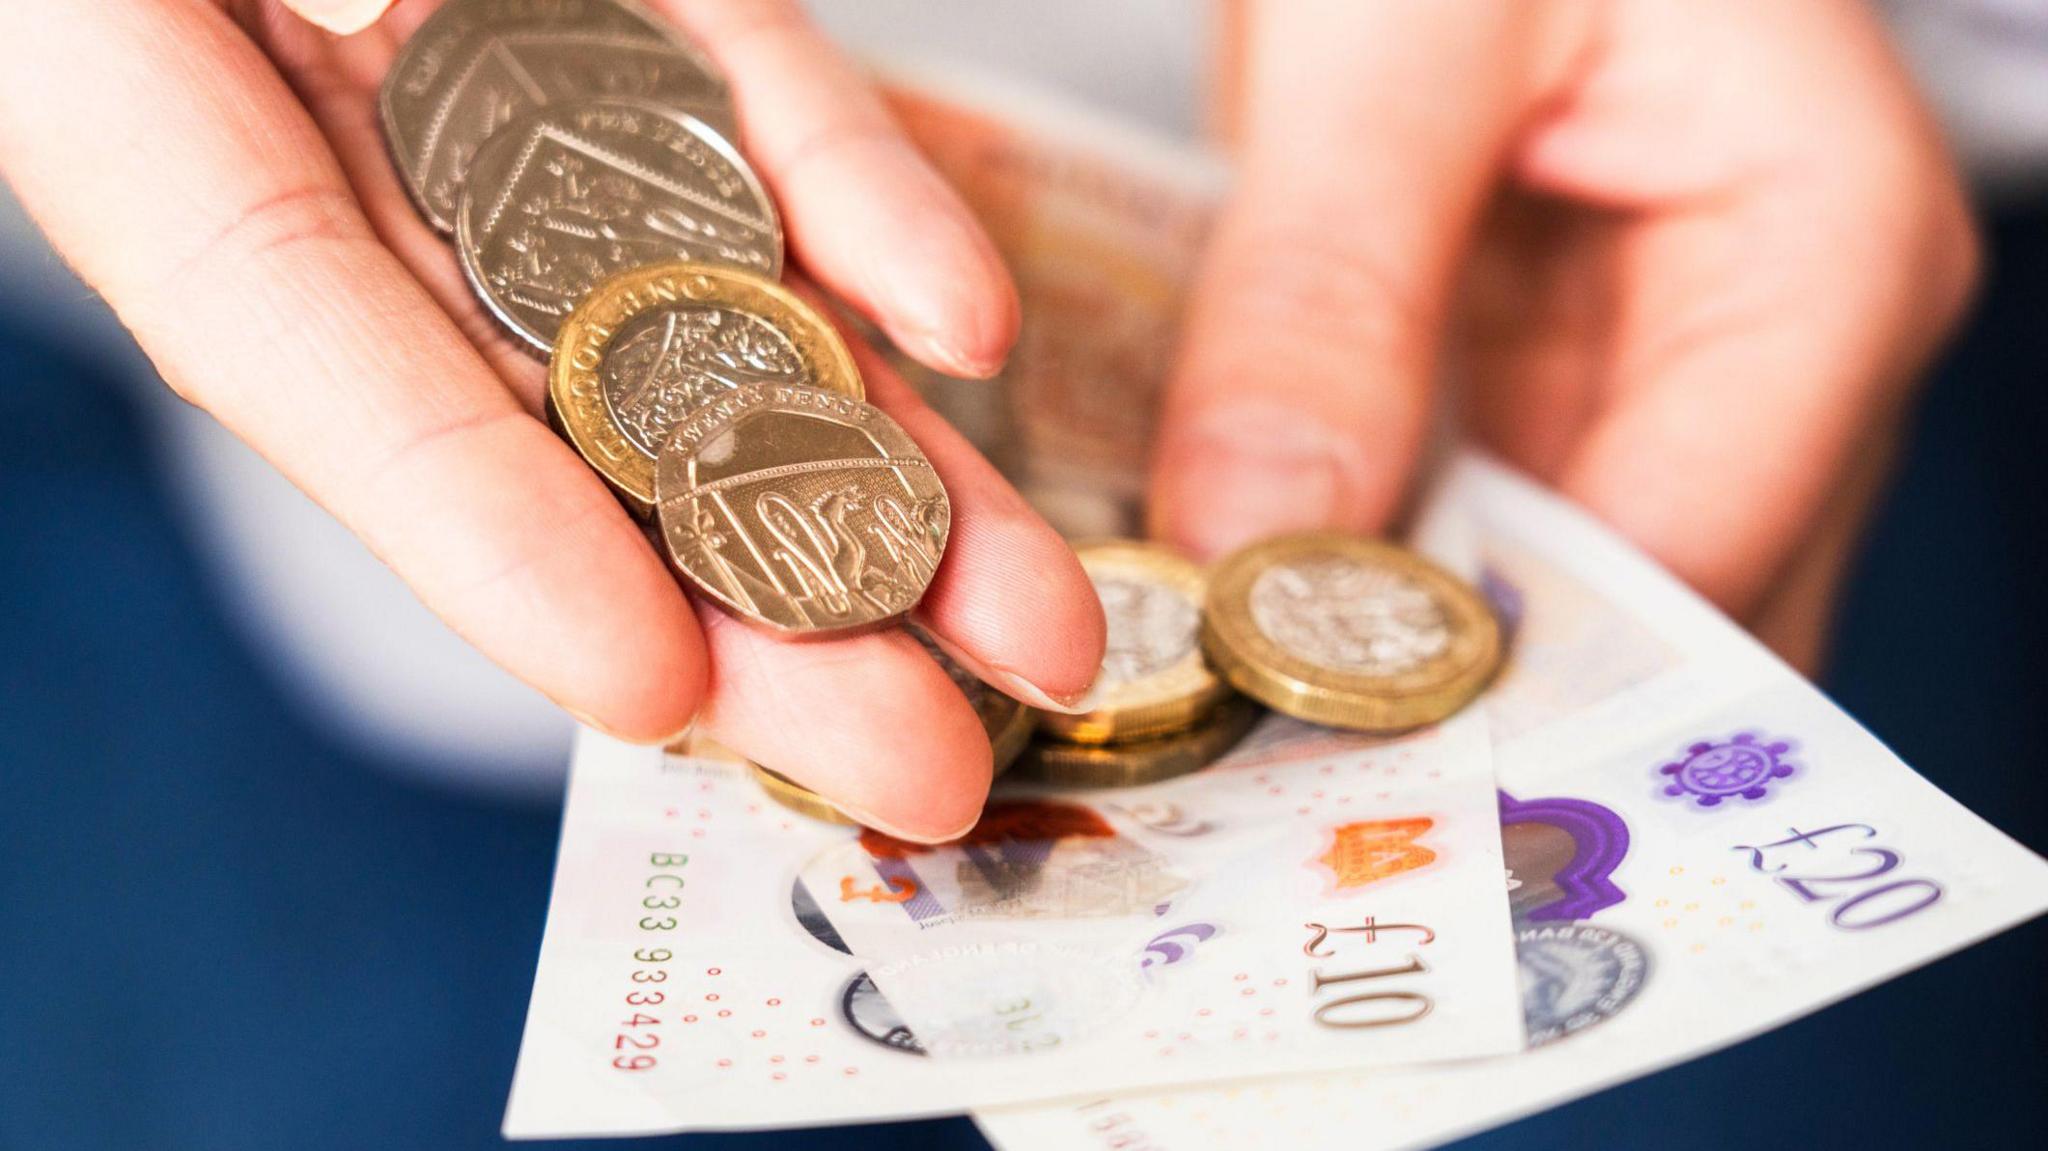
x=1371 y=136
x=343 y=16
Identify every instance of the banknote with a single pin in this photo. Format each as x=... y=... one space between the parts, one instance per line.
x=1101 y=224
x=712 y=960
x=1700 y=847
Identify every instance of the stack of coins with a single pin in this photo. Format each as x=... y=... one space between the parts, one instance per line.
x=1157 y=709
x=1349 y=632
x=581 y=158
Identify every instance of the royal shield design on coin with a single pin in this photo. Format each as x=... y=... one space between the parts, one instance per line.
x=800 y=509
x=654 y=344
x=563 y=199
x=476 y=65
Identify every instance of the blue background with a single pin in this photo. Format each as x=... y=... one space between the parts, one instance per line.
x=219 y=930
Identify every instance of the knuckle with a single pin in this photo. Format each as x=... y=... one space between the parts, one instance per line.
x=244 y=249
x=1310 y=290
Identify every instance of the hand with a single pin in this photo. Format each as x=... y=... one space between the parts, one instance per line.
x=1683 y=261
x=215 y=169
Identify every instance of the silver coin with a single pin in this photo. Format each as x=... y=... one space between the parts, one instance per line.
x=575 y=192
x=477 y=64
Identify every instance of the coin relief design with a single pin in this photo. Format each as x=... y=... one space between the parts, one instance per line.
x=476 y=65
x=669 y=363
x=1350 y=616
x=1154 y=678
x=654 y=344
x=573 y=193
x=1151 y=627
x=1348 y=632
x=801 y=510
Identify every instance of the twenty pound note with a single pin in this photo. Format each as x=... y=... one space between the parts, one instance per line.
x=1700 y=847
x=714 y=961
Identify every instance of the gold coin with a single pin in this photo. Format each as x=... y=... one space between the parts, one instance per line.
x=1140 y=761
x=1348 y=632
x=1154 y=679
x=653 y=344
x=798 y=798
x=801 y=510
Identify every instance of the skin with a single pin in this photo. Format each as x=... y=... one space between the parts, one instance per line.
x=215 y=169
x=1681 y=261
x=1690 y=259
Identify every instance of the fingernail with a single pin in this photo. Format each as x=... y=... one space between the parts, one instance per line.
x=954 y=362
x=592 y=722
x=1068 y=703
x=893 y=832
x=1248 y=472
x=1011 y=683
x=949 y=315
x=341 y=16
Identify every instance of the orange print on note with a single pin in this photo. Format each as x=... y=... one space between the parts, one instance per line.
x=886 y=892
x=1364 y=853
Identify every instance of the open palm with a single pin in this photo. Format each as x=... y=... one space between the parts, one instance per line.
x=215 y=169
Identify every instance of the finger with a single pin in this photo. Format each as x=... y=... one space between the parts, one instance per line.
x=1010 y=600
x=1302 y=392
x=337 y=80
x=1797 y=616
x=871 y=722
x=219 y=227
x=866 y=215
x=1781 y=289
x=343 y=16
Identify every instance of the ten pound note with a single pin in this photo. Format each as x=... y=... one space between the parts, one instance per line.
x=1700 y=847
x=714 y=961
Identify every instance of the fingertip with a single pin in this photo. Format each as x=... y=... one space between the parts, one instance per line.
x=869 y=722
x=950 y=302
x=646 y=682
x=1013 y=603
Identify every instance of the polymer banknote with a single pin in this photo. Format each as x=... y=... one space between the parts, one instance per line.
x=1700 y=846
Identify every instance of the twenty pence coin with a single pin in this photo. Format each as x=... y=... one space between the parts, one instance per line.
x=800 y=510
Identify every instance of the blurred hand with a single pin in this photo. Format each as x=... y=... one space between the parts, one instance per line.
x=1683 y=261
x=216 y=170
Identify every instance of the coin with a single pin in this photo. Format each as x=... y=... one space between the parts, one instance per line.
x=570 y=194
x=799 y=509
x=1154 y=678
x=1140 y=761
x=798 y=798
x=1007 y=722
x=477 y=64
x=1348 y=632
x=653 y=344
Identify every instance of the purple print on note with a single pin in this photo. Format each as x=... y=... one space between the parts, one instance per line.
x=1561 y=854
x=1740 y=767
